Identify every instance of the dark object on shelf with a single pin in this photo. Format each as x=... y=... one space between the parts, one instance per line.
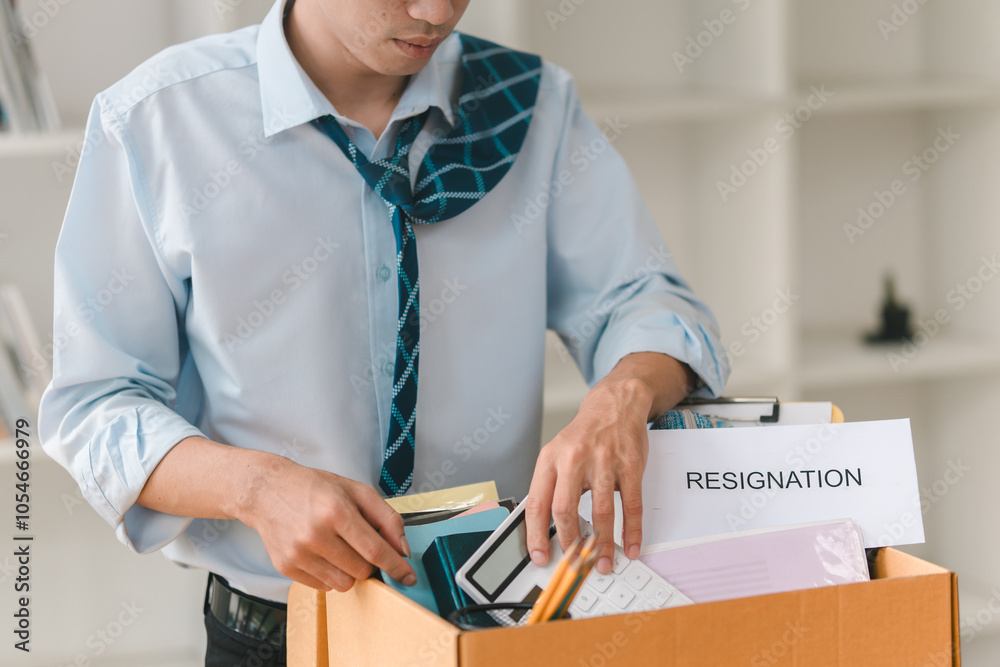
x=895 y=319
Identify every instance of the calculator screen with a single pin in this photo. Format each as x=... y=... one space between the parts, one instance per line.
x=505 y=559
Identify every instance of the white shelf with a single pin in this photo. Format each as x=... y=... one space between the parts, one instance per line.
x=755 y=378
x=841 y=361
x=41 y=144
x=877 y=97
x=651 y=106
x=646 y=106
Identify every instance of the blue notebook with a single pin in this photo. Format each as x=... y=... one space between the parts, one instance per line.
x=442 y=560
x=420 y=539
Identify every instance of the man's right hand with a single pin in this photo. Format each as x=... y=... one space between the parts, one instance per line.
x=320 y=529
x=326 y=531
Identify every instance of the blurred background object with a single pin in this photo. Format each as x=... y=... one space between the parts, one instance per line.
x=793 y=152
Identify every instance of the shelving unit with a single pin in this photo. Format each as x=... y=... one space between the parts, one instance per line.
x=81 y=575
x=49 y=144
x=783 y=230
x=842 y=362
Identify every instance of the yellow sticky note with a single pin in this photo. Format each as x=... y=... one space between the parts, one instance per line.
x=458 y=497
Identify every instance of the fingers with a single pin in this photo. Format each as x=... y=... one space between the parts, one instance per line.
x=537 y=513
x=335 y=552
x=387 y=521
x=603 y=515
x=566 y=504
x=630 y=486
x=369 y=544
x=303 y=578
x=321 y=575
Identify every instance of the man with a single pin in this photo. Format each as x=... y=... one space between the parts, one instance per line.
x=260 y=198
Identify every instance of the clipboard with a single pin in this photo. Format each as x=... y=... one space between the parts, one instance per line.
x=740 y=411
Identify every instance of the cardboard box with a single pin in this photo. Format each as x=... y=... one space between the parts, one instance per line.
x=906 y=616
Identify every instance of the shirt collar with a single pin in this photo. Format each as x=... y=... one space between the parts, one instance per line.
x=289 y=97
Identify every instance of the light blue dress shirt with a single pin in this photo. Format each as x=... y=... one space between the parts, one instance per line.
x=224 y=271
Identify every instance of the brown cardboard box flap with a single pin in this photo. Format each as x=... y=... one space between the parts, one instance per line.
x=307 y=645
x=906 y=616
x=835 y=626
x=372 y=624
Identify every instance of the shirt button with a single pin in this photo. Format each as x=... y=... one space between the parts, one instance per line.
x=388 y=368
x=384 y=272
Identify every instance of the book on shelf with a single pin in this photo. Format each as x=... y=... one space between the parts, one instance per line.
x=26 y=102
x=12 y=405
x=21 y=380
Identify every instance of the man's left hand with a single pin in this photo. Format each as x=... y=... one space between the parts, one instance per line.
x=603 y=449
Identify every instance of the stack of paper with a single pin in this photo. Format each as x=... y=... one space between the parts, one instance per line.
x=420 y=538
x=463 y=509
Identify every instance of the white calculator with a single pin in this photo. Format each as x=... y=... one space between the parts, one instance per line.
x=501 y=571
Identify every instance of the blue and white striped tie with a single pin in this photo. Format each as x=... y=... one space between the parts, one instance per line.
x=499 y=89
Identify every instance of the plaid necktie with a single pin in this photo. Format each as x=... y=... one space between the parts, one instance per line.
x=499 y=89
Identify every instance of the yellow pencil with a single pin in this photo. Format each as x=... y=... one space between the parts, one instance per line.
x=546 y=595
x=587 y=559
x=562 y=588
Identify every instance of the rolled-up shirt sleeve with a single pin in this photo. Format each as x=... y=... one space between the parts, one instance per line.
x=109 y=415
x=613 y=286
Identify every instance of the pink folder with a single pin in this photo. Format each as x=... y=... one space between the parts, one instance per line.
x=757 y=562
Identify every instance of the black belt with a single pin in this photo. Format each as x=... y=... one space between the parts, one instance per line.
x=257 y=618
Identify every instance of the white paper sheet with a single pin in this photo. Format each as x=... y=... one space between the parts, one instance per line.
x=781 y=475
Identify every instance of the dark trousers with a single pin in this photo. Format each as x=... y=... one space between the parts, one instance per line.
x=228 y=648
